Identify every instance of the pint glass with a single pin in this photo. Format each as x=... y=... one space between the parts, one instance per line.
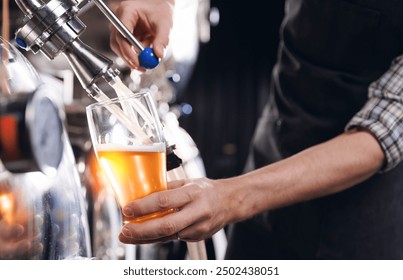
x=128 y=141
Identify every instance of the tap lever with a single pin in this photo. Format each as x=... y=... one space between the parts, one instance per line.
x=118 y=24
x=147 y=57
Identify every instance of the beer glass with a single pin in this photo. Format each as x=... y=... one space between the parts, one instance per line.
x=129 y=144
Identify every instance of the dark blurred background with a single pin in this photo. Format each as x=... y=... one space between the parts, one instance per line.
x=230 y=82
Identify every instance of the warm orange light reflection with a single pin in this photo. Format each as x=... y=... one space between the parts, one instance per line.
x=95 y=176
x=7 y=207
x=134 y=174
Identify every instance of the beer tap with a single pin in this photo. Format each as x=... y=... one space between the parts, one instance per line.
x=54 y=28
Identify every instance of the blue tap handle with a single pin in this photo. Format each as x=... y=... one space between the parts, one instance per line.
x=148 y=59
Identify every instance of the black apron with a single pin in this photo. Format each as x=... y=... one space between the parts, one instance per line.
x=329 y=53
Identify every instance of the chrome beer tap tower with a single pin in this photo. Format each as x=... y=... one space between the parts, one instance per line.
x=53 y=28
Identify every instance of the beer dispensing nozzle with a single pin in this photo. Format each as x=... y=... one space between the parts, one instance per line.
x=54 y=28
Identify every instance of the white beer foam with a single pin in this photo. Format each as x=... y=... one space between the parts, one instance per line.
x=154 y=147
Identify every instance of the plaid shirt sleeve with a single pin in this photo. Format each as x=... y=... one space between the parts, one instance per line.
x=382 y=115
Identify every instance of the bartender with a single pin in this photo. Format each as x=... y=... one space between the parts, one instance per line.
x=323 y=178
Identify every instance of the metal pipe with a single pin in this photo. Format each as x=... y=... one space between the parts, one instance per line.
x=53 y=28
x=28 y=6
x=118 y=24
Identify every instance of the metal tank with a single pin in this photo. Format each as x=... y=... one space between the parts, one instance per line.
x=43 y=214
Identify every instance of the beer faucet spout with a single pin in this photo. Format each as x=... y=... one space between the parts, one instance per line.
x=53 y=28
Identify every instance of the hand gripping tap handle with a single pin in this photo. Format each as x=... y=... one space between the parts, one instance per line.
x=147 y=58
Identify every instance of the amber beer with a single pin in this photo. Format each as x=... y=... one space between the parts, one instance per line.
x=134 y=172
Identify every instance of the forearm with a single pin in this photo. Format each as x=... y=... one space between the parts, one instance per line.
x=321 y=170
x=206 y=205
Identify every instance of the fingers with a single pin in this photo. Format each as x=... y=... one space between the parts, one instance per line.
x=162 y=229
x=196 y=219
x=138 y=233
x=127 y=240
x=149 y=24
x=158 y=201
x=121 y=46
x=165 y=228
x=162 y=38
x=131 y=237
